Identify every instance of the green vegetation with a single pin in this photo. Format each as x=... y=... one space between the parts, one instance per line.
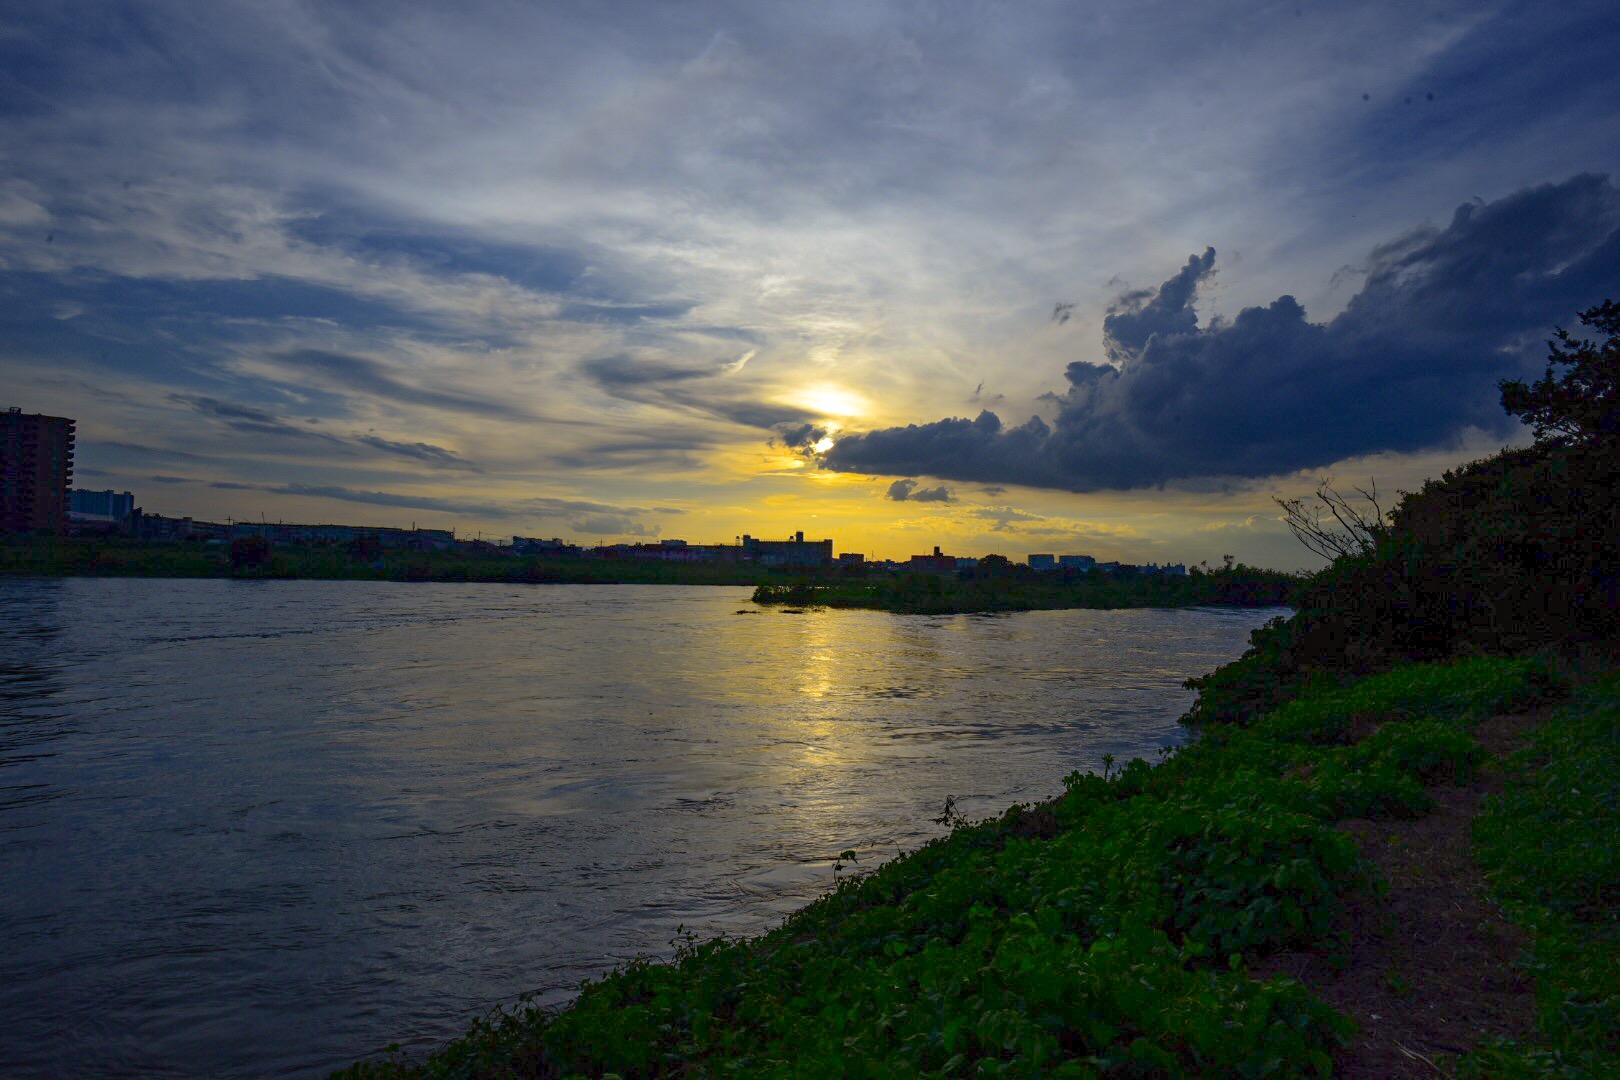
x=114 y=557
x=1516 y=552
x=1506 y=555
x=1550 y=846
x=1006 y=588
x=1104 y=933
x=1107 y=933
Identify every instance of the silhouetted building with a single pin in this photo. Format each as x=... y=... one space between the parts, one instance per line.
x=107 y=505
x=528 y=545
x=36 y=471
x=936 y=563
x=1076 y=562
x=1043 y=562
x=385 y=536
x=795 y=552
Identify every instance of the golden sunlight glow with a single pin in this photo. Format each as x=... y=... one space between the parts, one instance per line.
x=824 y=445
x=830 y=400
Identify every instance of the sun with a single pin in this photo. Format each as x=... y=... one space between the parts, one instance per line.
x=828 y=399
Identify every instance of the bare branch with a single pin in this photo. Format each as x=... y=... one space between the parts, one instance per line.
x=1336 y=525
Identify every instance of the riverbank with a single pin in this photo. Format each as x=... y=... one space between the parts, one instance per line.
x=111 y=557
x=971 y=592
x=1126 y=926
x=791 y=587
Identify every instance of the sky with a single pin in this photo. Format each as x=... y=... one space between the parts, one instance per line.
x=1098 y=278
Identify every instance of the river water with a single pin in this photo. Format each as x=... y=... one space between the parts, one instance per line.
x=266 y=828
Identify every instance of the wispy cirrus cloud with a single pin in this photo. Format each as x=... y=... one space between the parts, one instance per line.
x=557 y=245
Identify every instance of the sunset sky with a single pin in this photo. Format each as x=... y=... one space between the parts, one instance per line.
x=1003 y=277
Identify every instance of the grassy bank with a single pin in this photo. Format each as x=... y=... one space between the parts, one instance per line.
x=1105 y=933
x=1550 y=847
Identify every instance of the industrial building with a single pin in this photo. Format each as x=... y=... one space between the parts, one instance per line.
x=797 y=552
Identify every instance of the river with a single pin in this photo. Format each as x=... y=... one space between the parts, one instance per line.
x=267 y=828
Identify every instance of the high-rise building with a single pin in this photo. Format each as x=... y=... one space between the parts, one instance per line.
x=36 y=471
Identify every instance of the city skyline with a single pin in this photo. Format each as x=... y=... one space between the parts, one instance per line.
x=1023 y=279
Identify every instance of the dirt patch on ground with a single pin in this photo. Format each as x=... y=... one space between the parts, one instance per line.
x=1430 y=968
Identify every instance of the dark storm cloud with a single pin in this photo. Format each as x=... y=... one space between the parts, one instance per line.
x=908 y=491
x=1411 y=362
x=1135 y=317
x=437 y=456
x=800 y=436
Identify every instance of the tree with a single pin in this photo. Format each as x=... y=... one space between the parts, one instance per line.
x=995 y=566
x=1582 y=406
x=249 y=552
x=1336 y=524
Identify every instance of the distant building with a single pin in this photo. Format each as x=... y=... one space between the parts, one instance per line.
x=797 y=552
x=36 y=471
x=937 y=563
x=484 y=549
x=106 y=505
x=288 y=533
x=966 y=563
x=1043 y=562
x=1076 y=562
x=158 y=527
x=530 y=546
x=852 y=558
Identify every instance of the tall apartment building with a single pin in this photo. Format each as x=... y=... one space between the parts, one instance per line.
x=36 y=471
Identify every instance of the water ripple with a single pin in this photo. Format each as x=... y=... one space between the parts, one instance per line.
x=265 y=828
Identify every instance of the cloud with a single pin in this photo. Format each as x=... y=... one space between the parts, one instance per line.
x=621 y=370
x=1003 y=518
x=608 y=525
x=1135 y=317
x=390 y=498
x=437 y=456
x=908 y=491
x=359 y=373
x=1410 y=364
x=554 y=506
x=800 y=436
x=248 y=419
